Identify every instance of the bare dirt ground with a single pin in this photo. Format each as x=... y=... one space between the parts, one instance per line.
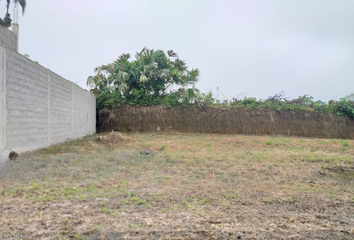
x=181 y=186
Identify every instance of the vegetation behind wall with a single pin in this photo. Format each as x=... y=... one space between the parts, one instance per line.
x=163 y=82
x=228 y=120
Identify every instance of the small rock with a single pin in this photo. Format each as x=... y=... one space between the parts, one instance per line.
x=146 y=152
x=13 y=155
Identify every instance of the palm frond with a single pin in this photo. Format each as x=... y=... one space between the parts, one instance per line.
x=195 y=73
x=138 y=55
x=180 y=64
x=22 y=3
x=7 y=6
x=165 y=74
x=125 y=55
x=143 y=78
x=122 y=76
x=171 y=53
x=123 y=87
x=97 y=69
x=108 y=69
x=160 y=58
x=192 y=77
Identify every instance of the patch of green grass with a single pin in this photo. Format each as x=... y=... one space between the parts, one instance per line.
x=343 y=149
x=45 y=198
x=96 y=227
x=345 y=143
x=91 y=189
x=79 y=237
x=268 y=142
x=69 y=191
x=123 y=182
x=296 y=148
x=105 y=210
x=267 y=200
x=233 y=195
x=163 y=147
x=137 y=200
x=305 y=187
x=338 y=159
x=82 y=198
x=332 y=193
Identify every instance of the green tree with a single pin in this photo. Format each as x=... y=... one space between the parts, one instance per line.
x=349 y=97
x=7 y=20
x=147 y=80
x=99 y=81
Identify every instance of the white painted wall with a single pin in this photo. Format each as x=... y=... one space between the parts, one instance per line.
x=38 y=108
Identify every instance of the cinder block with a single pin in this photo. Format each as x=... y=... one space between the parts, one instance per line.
x=41 y=107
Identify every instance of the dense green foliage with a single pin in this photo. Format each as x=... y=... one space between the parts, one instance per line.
x=156 y=78
x=152 y=78
x=7 y=20
x=345 y=106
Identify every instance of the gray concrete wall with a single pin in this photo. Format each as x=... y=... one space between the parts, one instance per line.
x=8 y=38
x=2 y=100
x=38 y=107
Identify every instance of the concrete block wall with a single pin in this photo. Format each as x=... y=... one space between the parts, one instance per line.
x=8 y=38
x=26 y=108
x=61 y=104
x=39 y=108
x=84 y=112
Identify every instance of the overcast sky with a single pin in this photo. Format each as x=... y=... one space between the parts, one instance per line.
x=252 y=48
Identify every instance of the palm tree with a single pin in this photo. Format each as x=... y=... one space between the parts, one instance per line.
x=7 y=20
x=101 y=79
x=153 y=74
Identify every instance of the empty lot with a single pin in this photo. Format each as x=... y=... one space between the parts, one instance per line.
x=181 y=186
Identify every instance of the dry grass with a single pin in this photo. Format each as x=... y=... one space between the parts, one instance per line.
x=180 y=186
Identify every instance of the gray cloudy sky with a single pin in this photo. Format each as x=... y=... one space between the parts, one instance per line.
x=246 y=48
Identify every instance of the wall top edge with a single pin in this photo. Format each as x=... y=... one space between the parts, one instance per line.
x=3 y=28
x=9 y=51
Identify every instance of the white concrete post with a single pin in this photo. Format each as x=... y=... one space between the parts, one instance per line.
x=49 y=116
x=16 y=30
x=2 y=99
x=72 y=110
